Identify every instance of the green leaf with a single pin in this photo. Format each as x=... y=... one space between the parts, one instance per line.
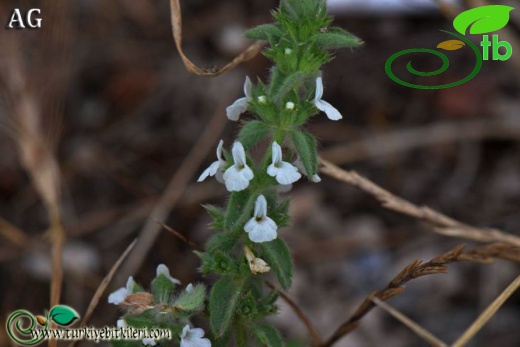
x=336 y=38
x=483 y=19
x=301 y=10
x=238 y=210
x=224 y=241
x=193 y=300
x=143 y=320
x=267 y=335
x=280 y=214
x=162 y=289
x=218 y=216
x=224 y=264
x=63 y=315
x=277 y=255
x=264 y=32
x=252 y=133
x=285 y=85
x=248 y=305
x=306 y=146
x=223 y=302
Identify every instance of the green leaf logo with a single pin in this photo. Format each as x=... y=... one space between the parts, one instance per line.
x=483 y=19
x=63 y=315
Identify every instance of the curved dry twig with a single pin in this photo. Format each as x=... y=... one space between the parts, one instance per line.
x=176 y=20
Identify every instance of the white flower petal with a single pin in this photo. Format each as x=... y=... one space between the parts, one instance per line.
x=247 y=173
x=193 y=338
x=235 y=179
x=130 y=285
x=118 y=296
x=299 y=164
x=149 y=342
x=331 y=112
x=263 y=231
x=284 y=172
x=234 y=111
x=163 y=270
x=239 y=153
x=261 y=228
x=247 y=87
x=220 y=176
x=196 y=333
x=121 y=323
x=219 y=150
x=319 y=88
x=260 y=207
x=189 y=288
x=287 y=173
x=210 y=171
x=216 y=166
x=277 y=153
x=237 y=176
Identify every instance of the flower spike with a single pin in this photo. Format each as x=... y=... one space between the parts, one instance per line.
x=284 y=172
x=234 y=111
x=331 y=112
x=261 y=228
x=238 y=175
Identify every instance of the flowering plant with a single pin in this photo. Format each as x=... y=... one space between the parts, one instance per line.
x=247 y=243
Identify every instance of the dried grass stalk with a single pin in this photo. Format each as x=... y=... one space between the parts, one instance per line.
x=444 y=225
x=417 y=269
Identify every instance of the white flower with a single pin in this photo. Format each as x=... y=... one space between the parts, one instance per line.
x=262 y=99
x=315 y=178
x=189 y=288
x=261 y=228
x=163 y=270
x=234 y=111
x=149 y=342
x=322 y=105
x=289 y=105
x=299 y=164
x=119 y=295
x=237 y=176
x=284 y=172
x=121 y=323
x=216 y=167
x=288 y=51
x=193 y=338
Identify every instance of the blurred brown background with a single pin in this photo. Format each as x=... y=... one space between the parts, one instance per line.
x=121 y=113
